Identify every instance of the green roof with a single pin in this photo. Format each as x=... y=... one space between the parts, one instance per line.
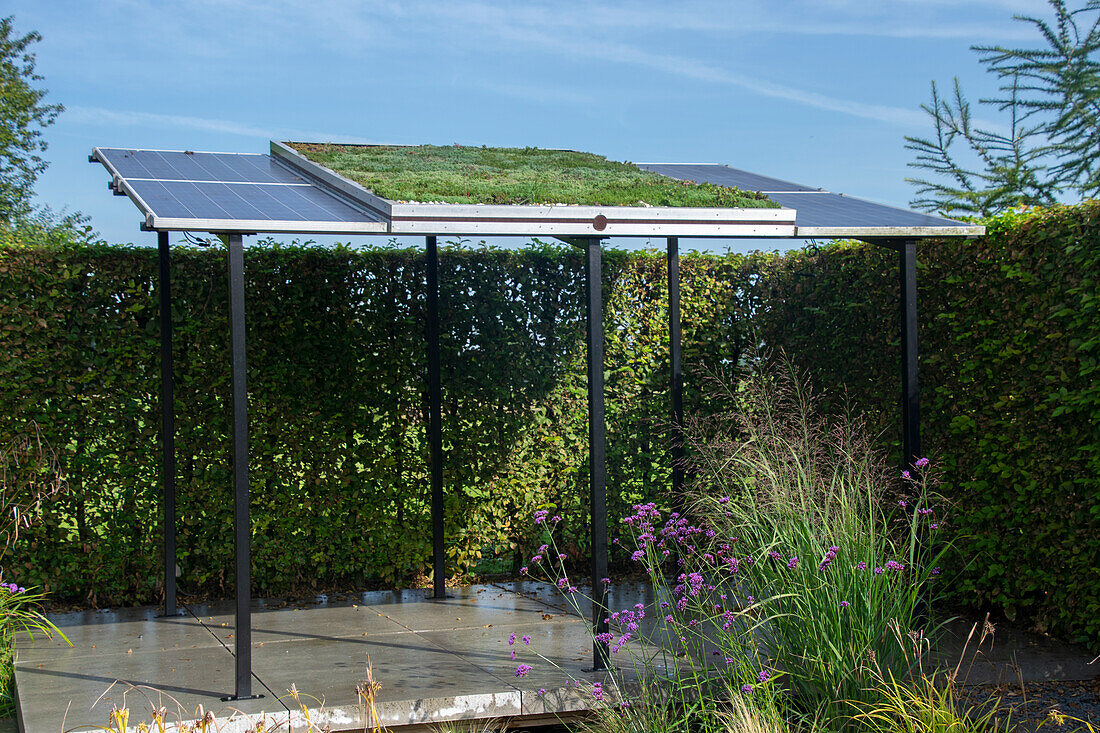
x=479 y=175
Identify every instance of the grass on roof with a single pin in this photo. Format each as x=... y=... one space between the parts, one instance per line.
x=471 y=175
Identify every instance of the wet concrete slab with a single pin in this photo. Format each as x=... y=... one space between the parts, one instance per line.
x=422 y=653
x=110 y=632
x=70 y=692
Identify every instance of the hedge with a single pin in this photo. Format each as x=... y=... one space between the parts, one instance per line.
x=337 y=404
x=1010 y=409
x=1010 y=400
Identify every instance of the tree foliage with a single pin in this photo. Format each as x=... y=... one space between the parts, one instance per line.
x=1044 y=147
x=23 y=116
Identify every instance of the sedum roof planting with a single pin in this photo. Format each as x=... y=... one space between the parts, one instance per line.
x=517 y=176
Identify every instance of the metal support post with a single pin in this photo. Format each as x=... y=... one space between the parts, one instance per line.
x=597 y=466
x=435 y=422
x=241 y=525
x=168 y=425
x=677 y=376
x=910 y=393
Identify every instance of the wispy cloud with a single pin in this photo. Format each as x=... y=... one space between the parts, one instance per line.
x=101 y=116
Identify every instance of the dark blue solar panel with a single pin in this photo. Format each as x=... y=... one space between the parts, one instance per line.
x=265 y=202
x=181 y=166
x=814 y=207
x=723 y=175
x=836 y=210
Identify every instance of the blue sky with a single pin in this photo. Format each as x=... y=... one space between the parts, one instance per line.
x=816 y=91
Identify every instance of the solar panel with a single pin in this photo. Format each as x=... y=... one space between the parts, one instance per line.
x=723 y=175
x=223 y=192
x=821 y=213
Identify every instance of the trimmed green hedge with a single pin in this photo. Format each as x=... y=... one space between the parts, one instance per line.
x=337 y=404
x=1010 y=404
x=1010 y=396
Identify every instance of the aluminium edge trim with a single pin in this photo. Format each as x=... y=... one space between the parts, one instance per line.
x=301 y=164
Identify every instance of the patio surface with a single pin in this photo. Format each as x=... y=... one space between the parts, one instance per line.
x=436 y=661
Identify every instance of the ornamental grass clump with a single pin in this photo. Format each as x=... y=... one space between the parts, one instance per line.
x=845 y=554
x=797 y=578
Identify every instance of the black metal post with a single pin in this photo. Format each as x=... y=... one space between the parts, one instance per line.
x=435 y=422
x=677 y=375
x=241 y=524
x=910 y=393
x=168 y=425
x=597 y=465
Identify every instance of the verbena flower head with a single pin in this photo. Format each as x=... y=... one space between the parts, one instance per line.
x=541 y=515
x=844 y=604
x=746 y=689
x=921 y=462
x=526 y=639
x=523 y=669
x=792 y=563
x=512 y=639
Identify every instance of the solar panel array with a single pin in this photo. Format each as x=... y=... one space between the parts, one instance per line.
x=819 y=212
x=254 y=193
x=229 y=192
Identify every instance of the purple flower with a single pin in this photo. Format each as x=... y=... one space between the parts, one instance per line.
x=729 y=661
x=555 y=519
x=921 y=462
x=536 y=559
x=597 y=691
x=512 y=639
x=562 y=583
x=861 y=565
x=924 y=511
x=792 y=563
x=878 y=571
x=541 y=692
x=522 y=670
x=523 y=570
x=934 y=526
x=764 y=675
x=844 y=604
x=905 y=474
x=541 y=515
x=747 y=689
x=513 y=655
x=526 y=639
x=935 y=571
x=903 y=503
x=605 y=581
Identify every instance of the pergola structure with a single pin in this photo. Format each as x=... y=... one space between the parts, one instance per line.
x=233 y=195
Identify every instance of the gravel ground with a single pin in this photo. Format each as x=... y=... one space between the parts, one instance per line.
x=1032 y=704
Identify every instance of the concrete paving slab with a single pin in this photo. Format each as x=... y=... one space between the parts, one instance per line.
x=115 y=632
x=1011 y=655
x=316 y=622
x=58 y=695
x=464 y=608
x=420 y=682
